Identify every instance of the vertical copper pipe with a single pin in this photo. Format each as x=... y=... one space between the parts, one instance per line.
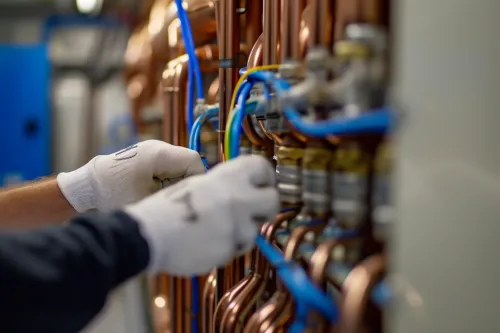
x=217 y=17
x=291 y=11
x=267 y=32
x=167 y=105
x=253 y=27
x=229 y=47
x=275 y=32
x=321 y=27
x=179 y=102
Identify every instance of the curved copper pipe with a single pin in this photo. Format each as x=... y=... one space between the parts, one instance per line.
x=319 y=263
x=256 y=54
x=277 y=312
x=177 y=87
x=213 y=91
x=284 y=317
x=208 y=303
x=239 y=310
x=357 y=294
x=165 y=30
x=134 y=54
x=234 y=291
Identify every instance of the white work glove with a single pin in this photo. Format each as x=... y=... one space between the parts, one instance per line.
x=112 y=181
x=205 y=221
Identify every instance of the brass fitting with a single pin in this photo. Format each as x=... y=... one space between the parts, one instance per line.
x=317 y=159
x=290 y=155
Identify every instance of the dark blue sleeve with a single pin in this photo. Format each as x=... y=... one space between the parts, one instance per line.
x=57 y=279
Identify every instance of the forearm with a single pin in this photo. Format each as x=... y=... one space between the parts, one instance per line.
x=57 y=279
x=33 y=205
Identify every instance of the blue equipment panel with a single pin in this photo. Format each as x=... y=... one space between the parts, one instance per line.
x=25 y=113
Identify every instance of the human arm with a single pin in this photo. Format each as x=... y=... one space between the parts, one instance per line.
x=33 y=205
x=105 y=183
x=57 y=279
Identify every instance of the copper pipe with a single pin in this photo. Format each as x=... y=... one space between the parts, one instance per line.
x=177 y=88
x=233 y=292
x=283 y=316
x=213 y=91
x=321 y=25
x=137 y=92
x=366 y=11
x=319 y=263
x=239 y=309
x=253 y=24
x=256 y=54
x=290 y=29
x=229 y=47
x=357 y=294
x=167 y=88
x=208 y=303
x=180 y=102
x=276 y=32
x=136 y=46
x=165 y=30
x=271 y=31
x=177 y=305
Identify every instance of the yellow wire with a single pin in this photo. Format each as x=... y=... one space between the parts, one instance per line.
x=227 y=134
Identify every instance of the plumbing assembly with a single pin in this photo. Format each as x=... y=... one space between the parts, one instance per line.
x=303 y=83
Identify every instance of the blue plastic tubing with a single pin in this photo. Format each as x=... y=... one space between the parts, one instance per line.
x=194 y=137
x=236 y=125
x=374 y=121
x=194 y=66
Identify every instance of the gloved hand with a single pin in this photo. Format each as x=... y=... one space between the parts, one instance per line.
x=112 y=181
x=204 y=221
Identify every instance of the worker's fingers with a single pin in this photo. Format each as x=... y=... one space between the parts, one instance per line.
x=169 y=161
x=256 y=170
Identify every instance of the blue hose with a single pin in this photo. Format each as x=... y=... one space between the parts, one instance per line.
x=195 y=297
x=194 y=137
x=373 y=121
x=187 y=35
x=190 y=104
x=236 y=125
x=194 y=143
x=194 y=70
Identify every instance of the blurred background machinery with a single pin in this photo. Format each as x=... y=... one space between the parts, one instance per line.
x=372 y=112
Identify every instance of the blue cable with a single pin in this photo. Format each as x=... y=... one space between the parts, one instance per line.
x=194 y=137
x=194 y=70
x=305 y=293
x=190 y=102
x=373 y=121
x=195 y=297
x=240 y=114
x=194 y=143
x=190 y=47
